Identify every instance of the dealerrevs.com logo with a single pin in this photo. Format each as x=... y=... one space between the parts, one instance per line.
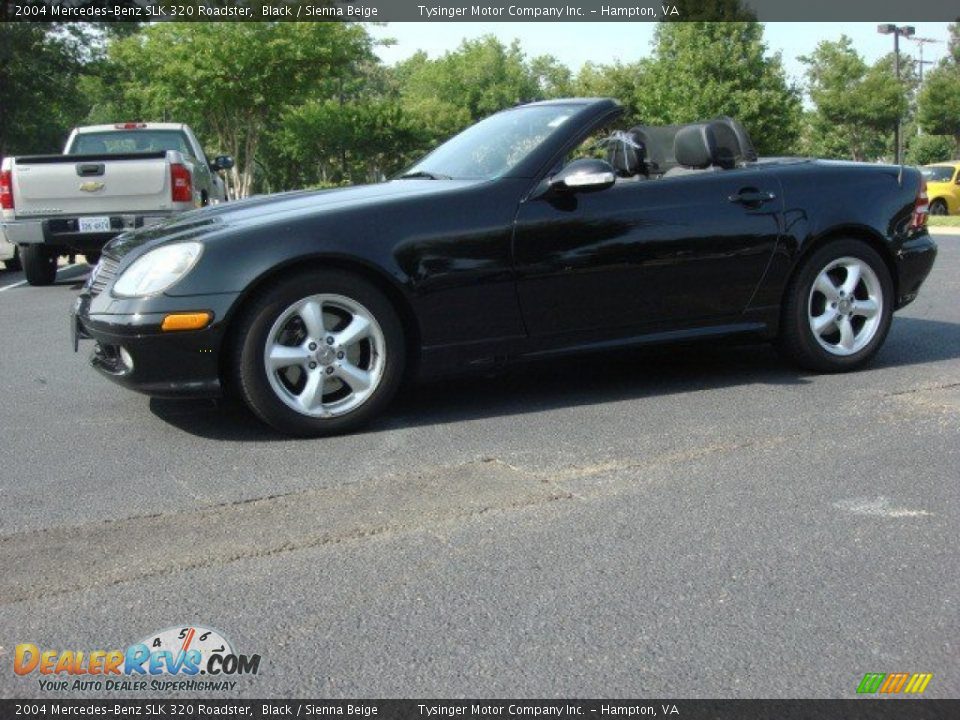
x=177 y=659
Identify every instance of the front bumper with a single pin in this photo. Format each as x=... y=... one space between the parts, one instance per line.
x=131 y=350
x=914 y=260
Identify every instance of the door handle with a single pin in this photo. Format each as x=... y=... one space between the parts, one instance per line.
x=751 y=196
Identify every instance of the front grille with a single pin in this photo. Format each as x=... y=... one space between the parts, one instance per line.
x=102 y=274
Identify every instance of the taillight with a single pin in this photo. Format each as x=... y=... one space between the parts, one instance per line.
x=180 y=183
x=921 y=207
x=6 y=190
x=130 y=126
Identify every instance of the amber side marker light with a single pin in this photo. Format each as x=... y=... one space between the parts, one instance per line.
x=186 y=321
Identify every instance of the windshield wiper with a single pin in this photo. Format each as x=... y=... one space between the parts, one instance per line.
x=425 y=174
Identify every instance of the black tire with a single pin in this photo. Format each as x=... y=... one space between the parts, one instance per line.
x=92 y=258
x=796 y=339
x=39 y=264
x=938 y=207
x=13 y=264
x=250 y=340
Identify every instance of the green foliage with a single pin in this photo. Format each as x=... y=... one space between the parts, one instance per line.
x=939 y=102
x=309 y=104
x=40 y=67
x=228 y=80
x=928 y=149
x=700 y=70
x=857 y=105
x=482 y=76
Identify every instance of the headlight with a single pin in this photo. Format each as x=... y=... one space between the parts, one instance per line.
x=157 y=270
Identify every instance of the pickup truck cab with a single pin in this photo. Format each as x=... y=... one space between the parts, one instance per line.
x=109 y=179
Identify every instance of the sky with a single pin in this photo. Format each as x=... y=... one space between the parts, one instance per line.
x=604 y=42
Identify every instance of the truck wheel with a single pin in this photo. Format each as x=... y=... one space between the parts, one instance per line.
x=14 y=262
x=838 y=308
x=318 y=354
x=39 y=264
x=92 y=258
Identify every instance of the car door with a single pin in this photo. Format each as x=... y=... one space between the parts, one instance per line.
x=646 y=254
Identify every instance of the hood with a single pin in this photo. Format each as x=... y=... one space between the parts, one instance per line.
x=266 y=209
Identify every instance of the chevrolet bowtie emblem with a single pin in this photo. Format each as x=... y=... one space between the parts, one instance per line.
x=92 y=186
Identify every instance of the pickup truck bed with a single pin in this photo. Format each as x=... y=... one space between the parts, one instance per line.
x=137 y=175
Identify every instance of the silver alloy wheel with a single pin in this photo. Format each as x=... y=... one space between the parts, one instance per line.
x=845 y=306
x=325 y=355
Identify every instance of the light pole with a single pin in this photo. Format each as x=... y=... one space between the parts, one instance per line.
x=906 y=31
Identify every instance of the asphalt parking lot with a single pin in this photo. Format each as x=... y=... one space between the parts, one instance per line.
x=700 y=522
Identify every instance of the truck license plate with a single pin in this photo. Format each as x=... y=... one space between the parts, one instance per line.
x=94 y=224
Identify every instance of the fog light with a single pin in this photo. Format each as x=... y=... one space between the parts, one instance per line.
x=186 y=321
x=126 y=358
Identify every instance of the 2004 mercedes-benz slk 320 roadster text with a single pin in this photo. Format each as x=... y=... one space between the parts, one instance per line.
x=533 y=233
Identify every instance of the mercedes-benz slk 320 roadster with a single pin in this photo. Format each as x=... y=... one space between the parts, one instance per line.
x=539 y=231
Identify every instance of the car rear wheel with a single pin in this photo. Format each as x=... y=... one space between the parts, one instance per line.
x=938 y=207
x=13 y=264
x=39 y=264
x=319 y=354
x=838 y=308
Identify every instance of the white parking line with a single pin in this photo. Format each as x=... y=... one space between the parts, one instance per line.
x=59 y=277
x=17 y=284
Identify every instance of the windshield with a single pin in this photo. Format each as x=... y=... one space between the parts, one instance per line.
x=494 y=146
x=938 y=173
x=129 y=141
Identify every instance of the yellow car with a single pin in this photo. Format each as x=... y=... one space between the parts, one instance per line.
x=943 y=187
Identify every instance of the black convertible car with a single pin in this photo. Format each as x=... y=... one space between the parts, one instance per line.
x=539 y=231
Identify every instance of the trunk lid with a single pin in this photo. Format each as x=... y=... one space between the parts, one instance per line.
x=91 y=184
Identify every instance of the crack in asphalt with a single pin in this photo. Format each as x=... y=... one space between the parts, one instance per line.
x=154 y=545
x=147 y=546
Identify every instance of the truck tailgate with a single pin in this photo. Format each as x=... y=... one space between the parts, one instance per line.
x=85 y=184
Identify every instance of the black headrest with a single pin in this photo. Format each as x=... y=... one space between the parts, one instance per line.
x=741 y=143
x=658 y=140
x=727 y=145
x=695 y=146
x=627 y=154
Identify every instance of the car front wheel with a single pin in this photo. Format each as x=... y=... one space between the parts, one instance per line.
x=838 y=308
x=319 y=354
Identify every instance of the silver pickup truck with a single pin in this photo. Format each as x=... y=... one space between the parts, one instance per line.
x=110 y=178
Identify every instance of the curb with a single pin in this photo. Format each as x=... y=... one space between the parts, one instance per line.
x=943 y=230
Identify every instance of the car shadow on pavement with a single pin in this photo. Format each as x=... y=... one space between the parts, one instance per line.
x=583 y=380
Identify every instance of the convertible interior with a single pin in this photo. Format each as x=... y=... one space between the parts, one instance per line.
x=648 y=152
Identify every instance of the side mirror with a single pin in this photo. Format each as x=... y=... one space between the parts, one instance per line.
x=584 y=175
x=222 y=162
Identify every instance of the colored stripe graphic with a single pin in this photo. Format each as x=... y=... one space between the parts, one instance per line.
x=893 y=683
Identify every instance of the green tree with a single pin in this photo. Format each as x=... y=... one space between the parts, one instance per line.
x=928 y=149
x=622 y=81
x=857 y=105
x=482 y=76
x=939 y=101
x=229 y=80
x=40 y=68
x=703 y=69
